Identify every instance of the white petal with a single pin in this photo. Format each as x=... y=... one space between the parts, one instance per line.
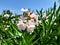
x=23 y=9
x=21 y=26
x=6 y=15
x=30 y=28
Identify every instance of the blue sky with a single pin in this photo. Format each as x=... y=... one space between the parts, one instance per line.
x=16 y=5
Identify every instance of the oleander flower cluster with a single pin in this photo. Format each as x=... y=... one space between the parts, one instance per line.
x=27 y=21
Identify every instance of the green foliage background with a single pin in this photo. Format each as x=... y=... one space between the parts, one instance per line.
x=47 y=33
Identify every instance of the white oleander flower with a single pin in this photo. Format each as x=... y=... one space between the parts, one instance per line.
x=25 y=21
x=21 y=26
x=32 y=16
x=30 y=22
x=23 y=9
x=35 y=18
x=22 y=18
x=6 y=15
x=30 y=28
x=29 y=13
